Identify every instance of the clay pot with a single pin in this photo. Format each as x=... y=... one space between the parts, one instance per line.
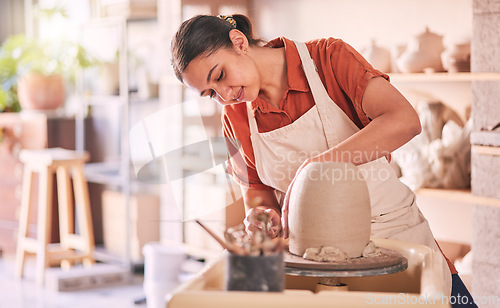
x=396 y=52
x=329 y=206
x=379 y=58
x=422 y=54
x=39 y=92
x=456 y=58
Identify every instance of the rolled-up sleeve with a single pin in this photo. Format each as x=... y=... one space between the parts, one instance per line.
x=345 y=74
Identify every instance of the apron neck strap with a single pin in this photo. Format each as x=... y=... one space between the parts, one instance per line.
x=251 y=119
x=311 y=71
x=320 y=95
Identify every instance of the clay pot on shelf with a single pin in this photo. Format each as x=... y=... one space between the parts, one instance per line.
x=40 y=92
x=456 y=58
x=396 y=52
x=422 y=54
x=379 y=58
x=329 y=206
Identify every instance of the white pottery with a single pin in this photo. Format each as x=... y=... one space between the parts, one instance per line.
x=379 y=58
x=396 y=52
x=329 y=206
x=456 y=58
x=422 y=54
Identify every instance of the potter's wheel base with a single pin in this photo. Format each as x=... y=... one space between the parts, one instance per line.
x=330 y=284
x=387 y=262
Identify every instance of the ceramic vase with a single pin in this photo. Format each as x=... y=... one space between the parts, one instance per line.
x=329 y=206
x=379 y=58
x=422 y=54
x=456 y=58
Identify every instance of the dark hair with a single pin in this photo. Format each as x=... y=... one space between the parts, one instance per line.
x=204 y=35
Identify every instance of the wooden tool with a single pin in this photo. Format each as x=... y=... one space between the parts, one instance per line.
x=215 y=236
x=230 y=248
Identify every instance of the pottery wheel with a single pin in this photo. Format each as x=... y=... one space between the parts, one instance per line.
x=387 y=262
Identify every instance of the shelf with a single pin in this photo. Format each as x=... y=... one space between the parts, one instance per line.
x=138 y=100
x=104 y=173
x=444 y=77
x=115 y=112
x=101 y=254
x=458 y=195
x=486 y=150
x=106 y=100
x=97 y=100
x=108 y=173
x=128 y=9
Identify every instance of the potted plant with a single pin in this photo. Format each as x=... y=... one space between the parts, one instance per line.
x=8 y=77
x=33 y=72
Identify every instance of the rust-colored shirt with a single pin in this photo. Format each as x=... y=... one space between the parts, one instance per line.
x=344 y=73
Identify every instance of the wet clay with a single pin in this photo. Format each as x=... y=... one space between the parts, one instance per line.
x=325 y=254
x=371 y=250
x=334 y=254
x=329 y=208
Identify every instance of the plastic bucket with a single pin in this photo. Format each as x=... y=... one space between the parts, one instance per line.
x=157 y=293
x=162 y=263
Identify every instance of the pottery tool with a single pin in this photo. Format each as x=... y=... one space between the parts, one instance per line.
x=214 y=236
x=228 y=246
x=237 y=241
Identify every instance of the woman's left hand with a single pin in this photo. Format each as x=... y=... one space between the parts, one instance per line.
x=284 y=209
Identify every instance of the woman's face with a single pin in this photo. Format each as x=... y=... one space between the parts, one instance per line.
x=228 y=76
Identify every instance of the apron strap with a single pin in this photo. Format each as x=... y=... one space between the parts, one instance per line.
x=252 y=123
x=311 y=71
x=321 y=97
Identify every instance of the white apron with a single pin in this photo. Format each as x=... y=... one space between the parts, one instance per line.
x=279 y=153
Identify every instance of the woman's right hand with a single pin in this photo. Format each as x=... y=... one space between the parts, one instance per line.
x=253 y=221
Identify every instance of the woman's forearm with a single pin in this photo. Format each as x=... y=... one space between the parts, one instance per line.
x=383 y=135
x=395 y=122
x=263 y=198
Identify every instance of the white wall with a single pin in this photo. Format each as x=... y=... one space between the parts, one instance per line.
x=11 y=18
x=390 y=22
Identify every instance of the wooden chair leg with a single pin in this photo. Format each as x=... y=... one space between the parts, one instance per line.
x=65 y=202
x=66 y=264
x=83 y=211
x=44 y=223
x=24 y=217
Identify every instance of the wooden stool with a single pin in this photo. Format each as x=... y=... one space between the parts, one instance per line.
x=66 y=164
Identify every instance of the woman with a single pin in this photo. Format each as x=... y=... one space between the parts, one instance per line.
x=288 y=104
